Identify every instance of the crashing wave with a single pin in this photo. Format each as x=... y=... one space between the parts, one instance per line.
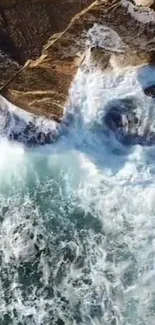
x=17 y=125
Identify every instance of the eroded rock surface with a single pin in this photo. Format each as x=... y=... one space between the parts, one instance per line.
x=105 y=26
x=8 y=68
x=26 y=25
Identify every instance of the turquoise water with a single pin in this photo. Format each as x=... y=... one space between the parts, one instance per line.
x=77 y=233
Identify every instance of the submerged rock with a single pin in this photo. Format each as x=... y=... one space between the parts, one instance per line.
x=150 y=91
x=123 y=119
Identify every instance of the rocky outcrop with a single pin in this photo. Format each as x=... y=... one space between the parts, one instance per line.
x=106 y=27
x=26 y=25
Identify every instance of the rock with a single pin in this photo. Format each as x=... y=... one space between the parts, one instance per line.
x=150 y=91
x=8 y=68
x=41 y=87
x=25 y=26
x=123 y=120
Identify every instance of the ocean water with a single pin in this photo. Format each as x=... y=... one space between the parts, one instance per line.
x=77 y=217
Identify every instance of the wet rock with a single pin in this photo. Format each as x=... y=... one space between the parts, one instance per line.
x=8 y=68
x=129 y=128
x=114 y=119
x=121 y=114
x=60 y=322
x=150 y=91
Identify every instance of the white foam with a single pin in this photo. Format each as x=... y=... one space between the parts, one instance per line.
x=142 y=14
x=24 y=115
x=86 y=204
x=104 y=37
x=24 y=126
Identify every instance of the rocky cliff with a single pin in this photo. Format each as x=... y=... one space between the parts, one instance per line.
x=43 y=42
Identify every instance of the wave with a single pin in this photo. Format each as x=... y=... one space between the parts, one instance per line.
x=77 y=216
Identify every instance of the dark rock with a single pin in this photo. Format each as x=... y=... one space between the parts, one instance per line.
x=123 y=120
x=114 y=119
x=150 y=91
x=25 y=26
x=60 y=322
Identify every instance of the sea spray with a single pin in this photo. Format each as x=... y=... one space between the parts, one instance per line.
x=77 y=219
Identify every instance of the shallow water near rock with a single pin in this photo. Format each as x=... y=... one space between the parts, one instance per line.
x=77 y=232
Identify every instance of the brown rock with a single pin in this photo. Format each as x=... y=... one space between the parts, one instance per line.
x=42 y=86
x=26 y=25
